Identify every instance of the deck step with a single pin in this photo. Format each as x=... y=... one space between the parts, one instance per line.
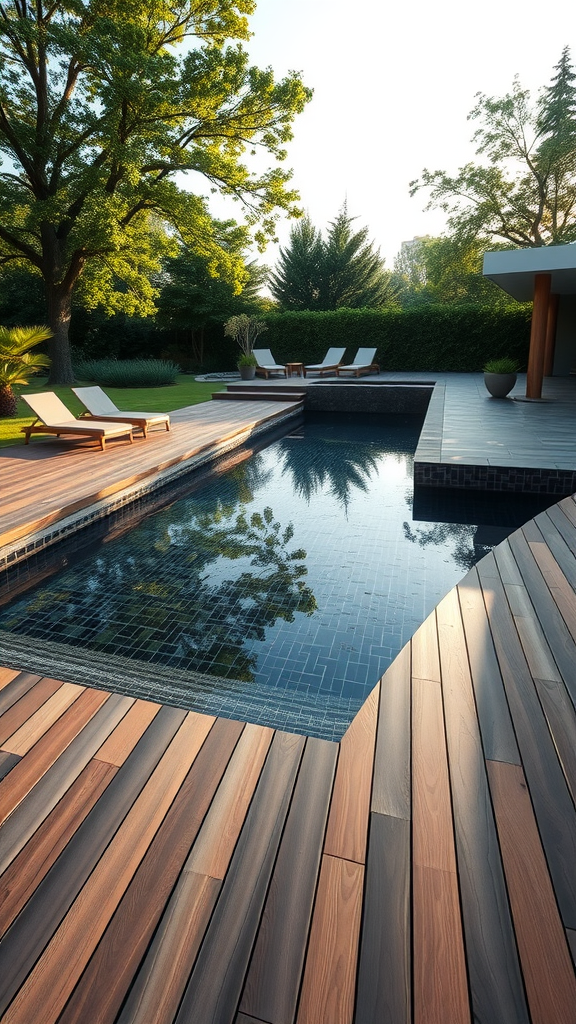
x=259 y=395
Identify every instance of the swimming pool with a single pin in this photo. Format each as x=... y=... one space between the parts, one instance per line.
x=278 y=593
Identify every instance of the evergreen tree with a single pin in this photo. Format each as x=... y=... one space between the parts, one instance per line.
x=296 y=281
x=345 y=270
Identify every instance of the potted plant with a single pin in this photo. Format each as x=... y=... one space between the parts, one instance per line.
x=17 y=363
x=500 y=376
x=245 y=329
x=247 y=365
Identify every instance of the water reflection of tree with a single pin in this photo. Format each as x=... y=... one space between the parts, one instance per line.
x=336 y=464
x=170 y=595
x=465 y=552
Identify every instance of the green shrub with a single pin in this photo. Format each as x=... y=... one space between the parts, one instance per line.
x=129 y=373
x=502 y=365
x=430 y=338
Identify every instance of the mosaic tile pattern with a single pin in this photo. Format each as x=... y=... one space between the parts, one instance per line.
x=294 y=579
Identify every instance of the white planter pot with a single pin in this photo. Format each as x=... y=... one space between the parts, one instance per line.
x=499 y=384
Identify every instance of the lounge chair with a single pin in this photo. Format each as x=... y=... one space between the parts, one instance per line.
x=329 y=364
x=363 y=363
x=100 y=406
x=266 y=363
x=52 y=417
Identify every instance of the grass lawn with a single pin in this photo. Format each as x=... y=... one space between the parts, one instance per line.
x=186 y=391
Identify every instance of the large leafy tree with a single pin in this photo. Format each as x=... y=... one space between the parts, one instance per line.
x=107 y=108
x=344 y=270
x=447 y=269
x=522 y=189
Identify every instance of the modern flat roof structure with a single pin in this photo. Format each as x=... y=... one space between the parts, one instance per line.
x=547 y=277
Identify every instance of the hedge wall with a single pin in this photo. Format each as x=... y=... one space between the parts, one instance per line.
x=429 y=338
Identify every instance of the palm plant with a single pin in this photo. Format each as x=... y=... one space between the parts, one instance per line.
x=17 y=363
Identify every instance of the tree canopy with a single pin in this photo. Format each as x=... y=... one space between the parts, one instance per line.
x=522 y=189
x=344 y=270
x=107 y=109
x=446 y=269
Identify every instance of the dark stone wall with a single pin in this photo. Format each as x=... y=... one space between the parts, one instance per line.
x=352 y=396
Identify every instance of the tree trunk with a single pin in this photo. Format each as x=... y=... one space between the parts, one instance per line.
x=59 y=314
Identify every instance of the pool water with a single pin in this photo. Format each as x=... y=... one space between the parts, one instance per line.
x=278 y=593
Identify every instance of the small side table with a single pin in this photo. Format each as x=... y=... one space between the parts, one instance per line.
x=296 y=369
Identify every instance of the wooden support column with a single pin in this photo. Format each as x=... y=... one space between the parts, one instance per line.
x=550 y=335
x=538 y=335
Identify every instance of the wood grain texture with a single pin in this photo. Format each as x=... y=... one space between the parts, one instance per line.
x=548 y=968
x=122 y=741
x=61 y=478
x=496 y=727
x=29 y=868
x=16 y=688
x=6 y=676
x=561 y=719
x=39 y=919
x=561 y=542
x=273 y=980
x=432 y=837
x=440 y=983
x=495 y=978
x=330 y=971
x=348 y=820
x=108 y=976
x=7 y=762
x=391 y=783
x=571 y=935
x=534 y=643
x=425 y=659
x=12 y=719
x=39 y=723
x=30 y=770
x=554 y=619
x=63 y=960
x=552 y=802
x=215 y=986
x=30 y=814
x=158 y=988
x=384 y=970
x=219 y=834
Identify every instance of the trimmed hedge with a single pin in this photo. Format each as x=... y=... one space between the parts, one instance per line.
x=128 y=373
x=428 y=338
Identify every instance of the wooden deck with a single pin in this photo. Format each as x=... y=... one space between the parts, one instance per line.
x=50 y=478
x=160 y=866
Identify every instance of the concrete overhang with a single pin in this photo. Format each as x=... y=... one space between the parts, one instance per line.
x=515 y=269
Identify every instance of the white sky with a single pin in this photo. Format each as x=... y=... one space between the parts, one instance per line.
x=393 y=84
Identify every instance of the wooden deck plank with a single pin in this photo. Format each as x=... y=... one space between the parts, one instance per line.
x=561 y=719
x=30 y=770
x=31 y=865
x=41 y=721
x=495 y=978
x=177 y=939
x=7 y=762
x=440 y=983
x=16 y=688
x=548 y=970
x=15 y=716
x=391 y=783
x=215 y=986
x=273 y=980
x=102 y=988
x=498 y=737
x=220 y=831
x=425 y=657
x=71 y=477
x=347 y=831
x=63 y=960
x=330 y=971
x=46 y=908
x=6 y=676
x=384 y=970
x=563 y=524
x=549 y=614
x=125 y=736
x=45 y=795
x=552 y=802
x=555 y=538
